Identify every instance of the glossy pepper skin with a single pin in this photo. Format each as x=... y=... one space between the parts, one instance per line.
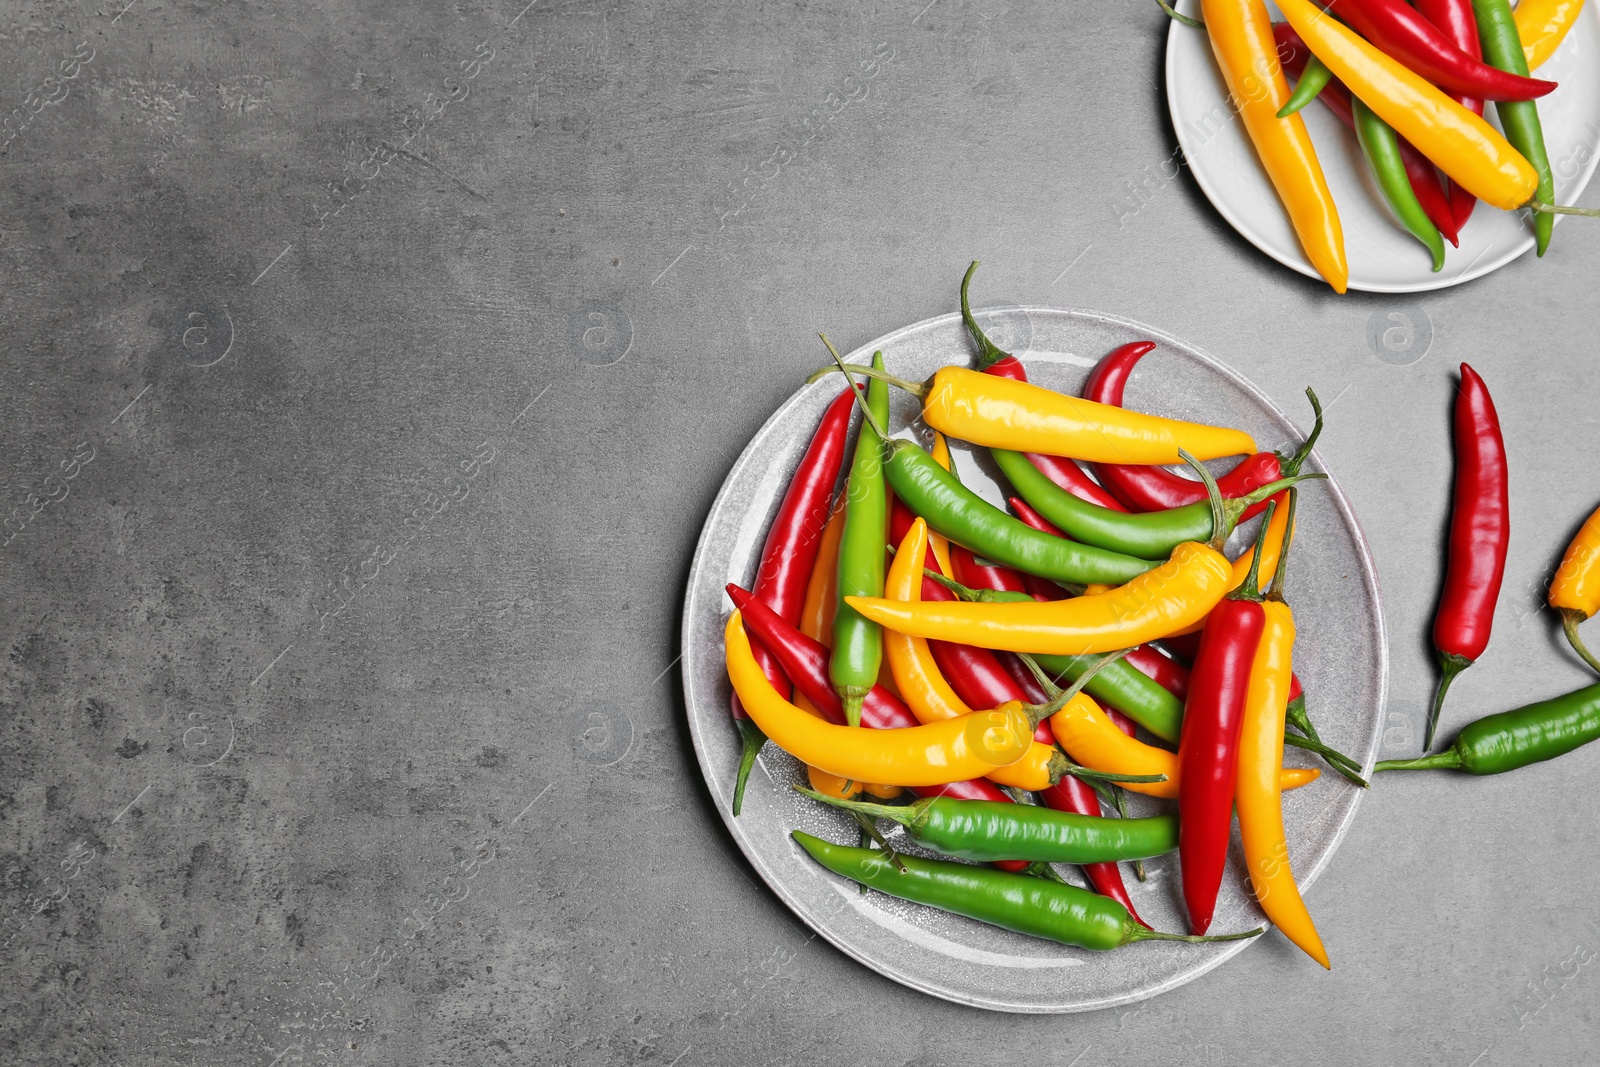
x=1480 y=531
x=1034 y=906
x=944 y=752
x=789 y=553
x=1457 y=22
x=1241 y=36
x=1381 y=147
x=1159 y=602
x=1575 y=590
x=1502 y=47
x=1420 y=173
x=1459 y=142
x=1512 y=739
x=1313 y=78
x=1241 y=566
x=857 y=642
x=1542 y=25
x=1407 y=35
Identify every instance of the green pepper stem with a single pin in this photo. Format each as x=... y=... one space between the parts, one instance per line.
x=1037 y=712
x=1276 y=592
x=1040 y=869
x=893 y=812
x=916 y=389
x=1219 y=513
x=750 y=739
x=1088 y=773
x=1450 y=665
x=1239 y=505
x=1296 y=716
x=1185 y=19
x=1140 y=933
x=989 y=353
x=867 y=827
x=1292 y=464
x=1334 y=758
x=1251 y=589
x=1570 y=618
x=861 y=401
x=1448 y=760
x=1537 y=205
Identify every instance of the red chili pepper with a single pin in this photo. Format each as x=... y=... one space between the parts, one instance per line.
x=1156 y=488
x=1455 y=19
x=1335 y=96
x=969 y=571
x=1480 y=529
x=1408 y=36
x=806 y=661
x=1167 y=672
x=787 y=557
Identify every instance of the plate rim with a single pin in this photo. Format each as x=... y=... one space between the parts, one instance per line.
x=818 y=925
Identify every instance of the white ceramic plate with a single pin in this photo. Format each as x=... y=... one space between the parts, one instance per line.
x=1341 y=658
x=1383 y=257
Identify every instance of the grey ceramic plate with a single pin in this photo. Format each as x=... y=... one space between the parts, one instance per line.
x=1340 y=657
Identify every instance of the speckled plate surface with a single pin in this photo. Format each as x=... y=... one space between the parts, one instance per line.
x=1341 y=658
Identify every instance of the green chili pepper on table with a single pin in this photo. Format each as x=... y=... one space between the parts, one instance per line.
x=1019 y=902
x=1381 y=145
x=858 y=642
x=1511 y=739
x=1502 y=49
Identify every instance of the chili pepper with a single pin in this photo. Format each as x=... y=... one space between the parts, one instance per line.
x=981 y=574
x=938 y=544
x=981 y=831
x=1502 y=48
x=1480 y=529
x=1408 y=36
x=1381 y=147
x=1313 y=77
x=1241 y=36
x=1038 y=588
x=1208 y=750
x=1260 y=749
x=997 y=412
x=1512 y=739
x=1241 y=566
x=858 y=642
x=1542 y=25
x=949 y=751
x=1575 y=590
x=1033 y=906
x=1460 y=26
x=1420 y=173
x=1460 y=143
x=787 y=556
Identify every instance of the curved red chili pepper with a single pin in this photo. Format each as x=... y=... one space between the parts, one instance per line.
x=1208 y=750
x=1156 y=488
x=1480 y=529
x=1456 y=20
x=1064 y=472
x=1420 y=171
x=1399 y=30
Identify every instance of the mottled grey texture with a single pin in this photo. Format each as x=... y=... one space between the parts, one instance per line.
x=236 y=821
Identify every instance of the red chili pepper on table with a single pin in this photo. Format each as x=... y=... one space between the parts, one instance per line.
x=1456 y=21
x=1335 y=96
x=787 y=557
x=1480 y=529
x=1408 y=36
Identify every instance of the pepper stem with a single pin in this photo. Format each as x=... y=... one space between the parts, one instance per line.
x=1334 y=758
x=1141 y=933
x=1119 y=802
x=1037 y=712
x=1059 y=761
x=861 y=401
x=1296 y=716
x=989 y=353
x=916 y=389
x=1040 y=869
x=750 y=739
x=1570 y=618
x=1176 y=17
x=1276 y=592
x=893 y=812
x=1293 y=463
x=1239 y=505
x=1251 y=589
x=1448 y=760
x=867 y=827
x=1219 y=514
x=1450 y=665
x=1541 y=207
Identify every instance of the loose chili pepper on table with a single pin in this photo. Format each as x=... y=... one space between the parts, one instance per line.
x=857 y=642
x=1480 y=530
x=1408 y=36
x=1033 y=906
x=788 y=555
x=1502 y=48
x=1460 y=26
x=1512 y=739
x=1575 y=590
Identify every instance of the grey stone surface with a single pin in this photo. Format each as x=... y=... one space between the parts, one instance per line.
x=410 y=343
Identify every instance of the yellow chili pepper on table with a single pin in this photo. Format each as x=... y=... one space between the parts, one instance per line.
x=1543 y=25
x=1241 y=38
x=951 y=751
x=1575 y=590
x=1460 y=143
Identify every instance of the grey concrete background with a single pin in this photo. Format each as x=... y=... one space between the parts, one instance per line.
x=369 y=370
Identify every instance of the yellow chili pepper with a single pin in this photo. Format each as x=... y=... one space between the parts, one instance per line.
x=1260 y=803
x=1269 y=560
x=1543 y=25
x=951 y=751
x=1241 y=37
x=1575 y=590
x=924 y=688
x=1156 y=604
x=1092 y=739
x=1459 y=142
x=938 y=543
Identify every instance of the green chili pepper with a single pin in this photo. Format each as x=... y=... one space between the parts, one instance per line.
x=1502 y=49
x=1019 y=902
x=858 y=642
x=1381 y=145
x=1313 y=80
x=988 y=830
x=1511 y=739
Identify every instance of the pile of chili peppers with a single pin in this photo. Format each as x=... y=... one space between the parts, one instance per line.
x=1411 y=81
x=994 y=682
